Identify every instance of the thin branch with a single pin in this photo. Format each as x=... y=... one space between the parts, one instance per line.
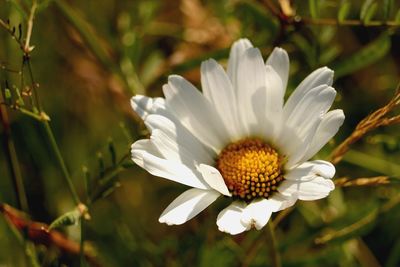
x=369 y=123
x=13 y=160
x=38 y=233
x=370 y=181
x=366 y=220
x=27 y=47
x=274 y=252
x=335 y=22
x=60 y=161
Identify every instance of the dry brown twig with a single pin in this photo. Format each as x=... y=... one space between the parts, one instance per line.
x=369 y=123
x=364 y=181
x=39 y=233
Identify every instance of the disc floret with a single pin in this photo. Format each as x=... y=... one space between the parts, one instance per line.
x=251 y=169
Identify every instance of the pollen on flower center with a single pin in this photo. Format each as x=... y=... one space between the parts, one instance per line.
x=251 y=169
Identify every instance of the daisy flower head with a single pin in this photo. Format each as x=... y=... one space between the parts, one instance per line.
x=239 y=138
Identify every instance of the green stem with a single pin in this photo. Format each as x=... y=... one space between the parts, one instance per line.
x=274 y=253
x=96 y=45
x=30 y=114
x=14 y=163
x=61 y=162
x=372 y=162
x=82 y=243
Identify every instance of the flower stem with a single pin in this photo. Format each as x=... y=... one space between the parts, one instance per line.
x=12 y=158
x=61 y=162
x=82 y=243
x=274 y=253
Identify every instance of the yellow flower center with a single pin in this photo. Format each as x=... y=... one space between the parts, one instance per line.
x=251 y=169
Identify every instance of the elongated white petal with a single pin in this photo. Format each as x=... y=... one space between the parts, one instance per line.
x=218 y=89
x=229 y=219
x=257 y=213
x=313 y=105
x=214 y=179
x=145 y=106
x=251 y=79
x=310 y=180
x=187 y=205
x=143 y=145
x=329 y=126
x=321 y=76
x=178 y=139
x=280 y=202
x=304 y=120
x=311 y=169
x=174 y=171
x=236 y=53
x=274 y=103
x=279 y=61
x=171 y=150
x=314 y=189
x=195 y=112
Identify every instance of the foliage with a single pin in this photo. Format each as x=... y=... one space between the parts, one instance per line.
x=67 y=71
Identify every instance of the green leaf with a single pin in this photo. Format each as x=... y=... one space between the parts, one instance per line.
x=20 y=101
x=364 y=57
x=151 y=69
x=102 y=166
x=344 y=11
x=387 y=8
x=110 y=190
x=7 y=96
x=20 y=9
x=113 y=153
x=397 y=17
x=67 y=219
x=370 y=13
x=364 y=8
x=88 y=181
x=329 y=54
x=313 y=5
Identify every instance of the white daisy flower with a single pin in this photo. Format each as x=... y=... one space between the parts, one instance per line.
x=239 y=139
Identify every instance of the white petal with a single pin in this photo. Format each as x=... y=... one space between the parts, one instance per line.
x=145 y=106
x=143 y=155
x=214 y=179
x=180 y=141
x=236 y=53
x=329 y=126
x=229 y=219
x=301 y=125
x=292 y=145
x=251 y=87
x=313 y=105
x=143 y=145
x=257 y=213
x=187 y=205
x=311 y=169
x=279 y=61
x=280 y=202
x=274 y=103
x=195 y=112
x=218 y=89
x=314 y=189
x=321 y=76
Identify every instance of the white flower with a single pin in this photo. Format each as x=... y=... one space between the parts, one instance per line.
x=239 y=139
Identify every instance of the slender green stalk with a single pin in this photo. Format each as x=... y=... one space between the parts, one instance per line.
x=61 y=162
x=274 y=253
x=30 y=114
x=95 y=44
x=82 y=243
x=14 y=164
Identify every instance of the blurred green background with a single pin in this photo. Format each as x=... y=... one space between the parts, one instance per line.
x=90 y=57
